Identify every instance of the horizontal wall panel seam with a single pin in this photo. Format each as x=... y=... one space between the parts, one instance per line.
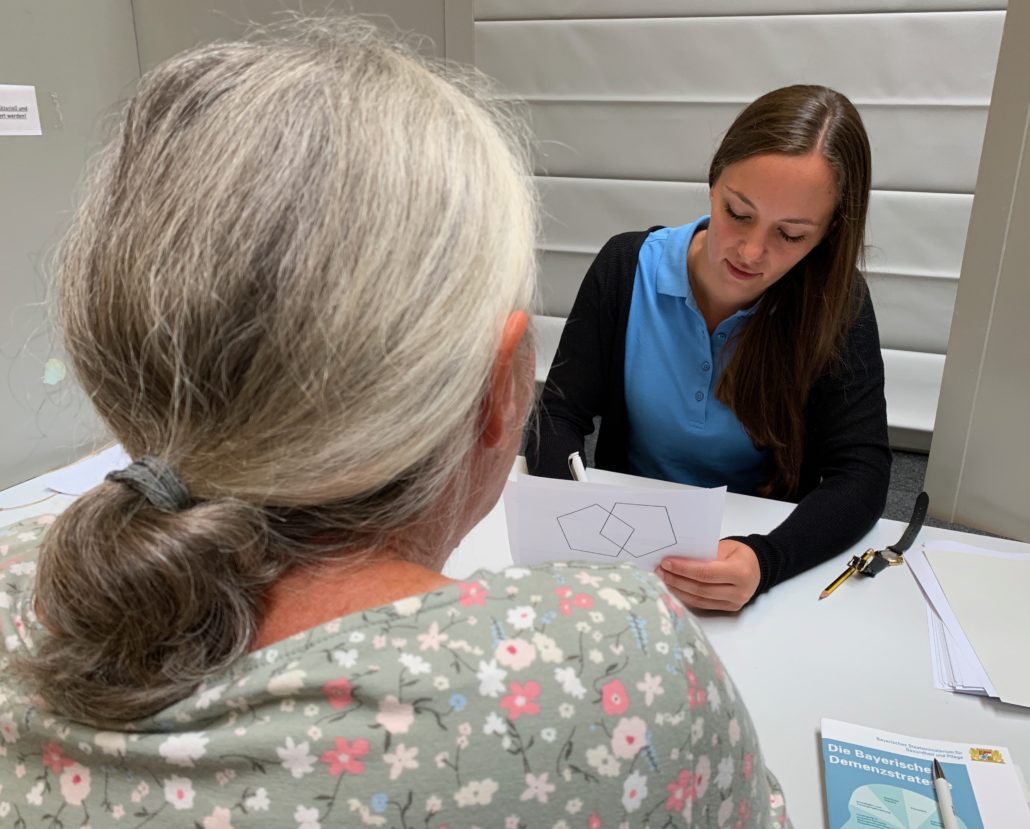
x=557 y=21
x=564 y=177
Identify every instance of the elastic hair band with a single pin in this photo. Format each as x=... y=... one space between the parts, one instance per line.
x=154 y=479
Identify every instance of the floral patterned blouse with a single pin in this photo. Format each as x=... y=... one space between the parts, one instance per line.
x=552 y=697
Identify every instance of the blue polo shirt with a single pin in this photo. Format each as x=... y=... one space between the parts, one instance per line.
x=678 y=431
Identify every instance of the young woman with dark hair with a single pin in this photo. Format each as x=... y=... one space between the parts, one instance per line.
x=741 y=349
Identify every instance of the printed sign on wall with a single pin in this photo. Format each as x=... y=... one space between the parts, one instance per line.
x=19 y=113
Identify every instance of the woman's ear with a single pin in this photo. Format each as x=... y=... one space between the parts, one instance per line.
x=501 y=407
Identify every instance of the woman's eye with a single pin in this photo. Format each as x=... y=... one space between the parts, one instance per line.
x=737 y=217
x=792 y=239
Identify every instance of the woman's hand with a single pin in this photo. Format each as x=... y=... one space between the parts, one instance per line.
x=725 y=583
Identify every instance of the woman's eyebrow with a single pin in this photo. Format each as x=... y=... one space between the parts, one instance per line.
x=750 y=204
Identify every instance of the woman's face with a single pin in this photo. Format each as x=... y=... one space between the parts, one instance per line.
x=768 y=212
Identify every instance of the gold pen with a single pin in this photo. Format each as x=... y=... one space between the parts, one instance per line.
x=837 y=582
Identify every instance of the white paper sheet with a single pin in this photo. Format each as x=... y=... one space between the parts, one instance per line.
x=19 y=113
x=552 y=520
x=987 y=594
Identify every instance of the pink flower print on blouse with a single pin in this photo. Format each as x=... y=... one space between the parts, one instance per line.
x=54 y=759
x=594 y=821
x=681 y=791
x=338 y=693
x=570 y=600
x=745 y=766
x=522 y=699
x=346 y=757
x=696 y=695
x=471 y=593
x=614 y=699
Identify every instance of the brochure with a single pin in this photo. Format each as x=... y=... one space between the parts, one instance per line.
x=879 y=780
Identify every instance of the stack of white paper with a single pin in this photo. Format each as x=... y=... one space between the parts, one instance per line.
x=979 y=618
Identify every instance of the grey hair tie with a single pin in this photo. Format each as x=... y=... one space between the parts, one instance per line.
x=154 y=479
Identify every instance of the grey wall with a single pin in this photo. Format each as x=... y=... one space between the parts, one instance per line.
x=84 y=58
x=81 y=57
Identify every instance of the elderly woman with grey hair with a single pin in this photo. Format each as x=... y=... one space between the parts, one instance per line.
x=297 y=291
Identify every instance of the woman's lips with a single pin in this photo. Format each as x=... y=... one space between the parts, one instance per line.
x=740 y=273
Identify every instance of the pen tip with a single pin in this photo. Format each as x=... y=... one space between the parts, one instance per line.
x=938 y=772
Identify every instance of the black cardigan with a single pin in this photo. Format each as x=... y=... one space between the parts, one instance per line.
x=845 y=467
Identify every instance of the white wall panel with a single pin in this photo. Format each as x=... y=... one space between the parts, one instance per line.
x=571 y=9
x=629 y=100
x=903 y=58
x=929 y=148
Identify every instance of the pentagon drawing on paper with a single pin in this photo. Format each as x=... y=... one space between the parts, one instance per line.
x=637 y=529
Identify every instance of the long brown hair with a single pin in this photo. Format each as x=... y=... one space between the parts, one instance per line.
x=802 y=322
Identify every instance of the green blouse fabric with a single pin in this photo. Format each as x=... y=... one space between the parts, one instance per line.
x=559 y=696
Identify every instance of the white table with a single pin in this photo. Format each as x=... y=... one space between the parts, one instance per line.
x=862 y=655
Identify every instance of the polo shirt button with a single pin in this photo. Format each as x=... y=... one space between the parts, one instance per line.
x=699 y=396
x=706 y=366
x=721 y=335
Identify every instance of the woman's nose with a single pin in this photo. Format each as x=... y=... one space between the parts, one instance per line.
x=751 y=248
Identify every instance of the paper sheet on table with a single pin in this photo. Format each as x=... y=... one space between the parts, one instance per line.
x=987 y=593
x=82 y=476
x=552 y=520
x=968 y=672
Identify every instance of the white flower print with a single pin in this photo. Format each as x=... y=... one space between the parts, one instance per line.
x=651 y=687
x=296 y=759
x=75 y=784
x=573 y=806
x=714 y=700
x=140 y=792
x=584 y=578
x=494 y=724
x=516 y=654
x=570 y=683
x=615 y=598
x=441 y=683
x=602 y=760
x=662 y=647
x=415 y=664
x=521 y=618
x=537 y=788
x=432 y=638
x=408 y=606
x=634 y=791
x=357 y=636
x=476 y=793
x=566 y=710
x=596 y=656
x=516 y=573
x=433 y=804
x=401 y=758
x=629 y=736
x=395 y=716
x=547 y=648
x=286 y=684
x=697 y=729
x=258 y=802
x=183 y=749
x=306 y=817
x=548 y=735
x=209 y=695
x=346 y=659
x=724 y=775
x=179 y=792
x=5 y=808
x=491 y=678
x=35 y=794
x=734 y=729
